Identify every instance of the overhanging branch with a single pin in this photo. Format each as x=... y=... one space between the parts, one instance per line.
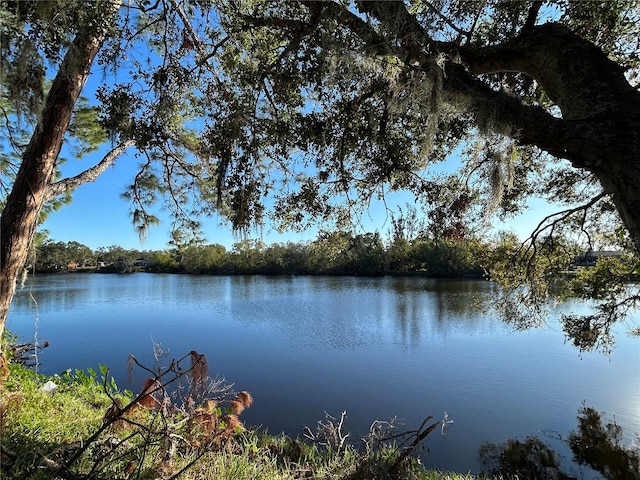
x=550 y=222
x=89 y=175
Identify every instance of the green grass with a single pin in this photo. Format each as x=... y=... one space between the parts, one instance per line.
x=43 y=418
x=40 y=431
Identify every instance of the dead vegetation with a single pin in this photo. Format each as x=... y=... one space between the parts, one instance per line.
x=180 y=415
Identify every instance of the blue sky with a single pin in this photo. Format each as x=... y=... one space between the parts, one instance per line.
x=99 y=217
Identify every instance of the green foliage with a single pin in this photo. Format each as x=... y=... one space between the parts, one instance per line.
x=325 y=106
x=85 y=132
x=338 y=253
x=611 y=283
x=447 y=258
x=343 y=254
x=201 y=259
x=610 y=25
x=606 y=279
x=533 y=273
x=88 y=384
x=163 y=262
x=118 y=259
x=36 y=421
x=52 y=256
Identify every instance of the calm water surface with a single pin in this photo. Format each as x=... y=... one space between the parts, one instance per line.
x=375 y=347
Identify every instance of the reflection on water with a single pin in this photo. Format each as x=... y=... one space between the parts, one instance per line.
x=594 y=444
x=376 y=347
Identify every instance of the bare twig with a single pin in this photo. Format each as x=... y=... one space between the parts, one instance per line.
x=549 y=223
x=329 y=434
x=110 y=420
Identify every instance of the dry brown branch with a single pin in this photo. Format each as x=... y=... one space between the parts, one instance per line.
x=157 y=424
x=158 y=384
x=199 y=371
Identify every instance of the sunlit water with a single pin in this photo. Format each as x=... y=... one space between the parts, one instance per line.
x=375 y=347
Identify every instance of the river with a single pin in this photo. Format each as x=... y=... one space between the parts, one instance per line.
x=375 y=347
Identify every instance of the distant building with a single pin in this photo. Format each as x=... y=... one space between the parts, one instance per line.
x=141 y=262
x=591 y=257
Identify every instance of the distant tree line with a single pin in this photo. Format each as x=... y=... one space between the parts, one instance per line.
x=410 y=249
x=334 y=253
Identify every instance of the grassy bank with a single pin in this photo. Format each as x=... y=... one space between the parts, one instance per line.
x=88 y=429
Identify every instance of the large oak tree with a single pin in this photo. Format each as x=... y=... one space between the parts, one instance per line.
x=325 y=105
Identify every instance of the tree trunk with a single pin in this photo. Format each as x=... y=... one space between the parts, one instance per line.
x=619 y=176
x=31 y=187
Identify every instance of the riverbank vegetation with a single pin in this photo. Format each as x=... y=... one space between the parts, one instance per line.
x=79 y=425
x=412 y=246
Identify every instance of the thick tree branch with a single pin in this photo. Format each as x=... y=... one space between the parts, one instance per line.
x=578 y=76
x=89 y=175
x=500 y=112
x=532 y=15
x=459 y=79
x=408 y=33
x=574 y=73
